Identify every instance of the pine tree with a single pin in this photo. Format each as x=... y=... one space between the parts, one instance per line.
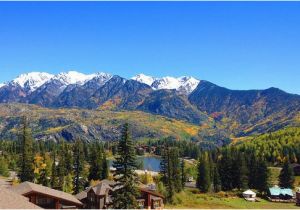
x=61 y=167
x=175 y=169
x=171 y=171
x=262 y=176
x=225 y=170
x=68 y=159
x=26 y=159
x=166 y=172
x=78 y=154
x=242 y=181
x=126 y=191
x=104 y=167
x=204 y=176
x=286 y=177
x=45 y=170
x=252 y=169
x=93 y=175
x=98 y=163
x=183 y=174
x=216 y=179
x=54 y=182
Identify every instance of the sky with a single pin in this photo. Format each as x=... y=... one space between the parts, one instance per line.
x=238 y=45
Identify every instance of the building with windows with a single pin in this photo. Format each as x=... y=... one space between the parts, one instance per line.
x=12 y=200
x=99 y=196
x=278 y=194
x=46 y=197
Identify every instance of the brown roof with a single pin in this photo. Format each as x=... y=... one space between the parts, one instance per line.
x=83 y=194
x=27 y=187
x=152 y=192
x=99 y=189
x=12 y=200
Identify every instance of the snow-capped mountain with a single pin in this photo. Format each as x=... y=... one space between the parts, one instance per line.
x=73 y=77
x=31 y=81
x=182 y=84
x=144 y=79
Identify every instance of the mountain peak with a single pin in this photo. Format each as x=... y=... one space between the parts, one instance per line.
x=142 y=78
x=183 y=84
x=73 y=77
x=32 y=80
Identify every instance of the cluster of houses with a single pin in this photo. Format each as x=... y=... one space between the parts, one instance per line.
x=28 y=195
x=276 y=194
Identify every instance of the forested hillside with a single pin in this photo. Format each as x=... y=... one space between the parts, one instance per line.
x=275 y=146
x=90 y=125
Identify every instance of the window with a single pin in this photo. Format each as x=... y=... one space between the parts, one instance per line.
x=156 y=204
x=43 y=201
x=141 y=204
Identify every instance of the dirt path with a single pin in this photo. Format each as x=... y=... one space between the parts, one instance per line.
x=5 y=181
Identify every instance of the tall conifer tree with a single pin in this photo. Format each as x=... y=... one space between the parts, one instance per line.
x=26 y=159
x=78 y=154
x=262 y=176
x=286 y=177
x=125 y=190
x=204 y=174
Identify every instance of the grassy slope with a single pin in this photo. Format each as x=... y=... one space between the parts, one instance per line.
x=191 y=199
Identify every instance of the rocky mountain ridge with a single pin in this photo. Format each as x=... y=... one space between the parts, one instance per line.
x=230 y=112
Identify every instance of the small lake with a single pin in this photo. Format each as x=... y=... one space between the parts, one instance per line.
x=150 y=163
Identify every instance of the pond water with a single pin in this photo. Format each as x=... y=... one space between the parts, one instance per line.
x=150 y=163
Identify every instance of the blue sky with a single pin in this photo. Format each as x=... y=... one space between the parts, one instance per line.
x=239 y=45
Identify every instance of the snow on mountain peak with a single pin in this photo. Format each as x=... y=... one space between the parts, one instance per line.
x=166 y=83
x=188 y=84
x=32 y=80
x=183 y=84
x=73 y=77
x=144 y=79
x=103 y=75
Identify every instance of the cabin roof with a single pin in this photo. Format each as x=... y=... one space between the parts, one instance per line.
x=280 y=191
x=28 y=187
x=12 y=200
x=249 y=192
x=99 y=189
x=152 y=192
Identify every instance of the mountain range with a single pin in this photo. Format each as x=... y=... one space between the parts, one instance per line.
x=218 y=111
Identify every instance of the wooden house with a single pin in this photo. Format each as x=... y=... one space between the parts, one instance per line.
x=278 y=194
x=150 y=199
x=298 y=198
x=46 y=197
x=96 y=197
x=99 y=197
x=12 y=200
